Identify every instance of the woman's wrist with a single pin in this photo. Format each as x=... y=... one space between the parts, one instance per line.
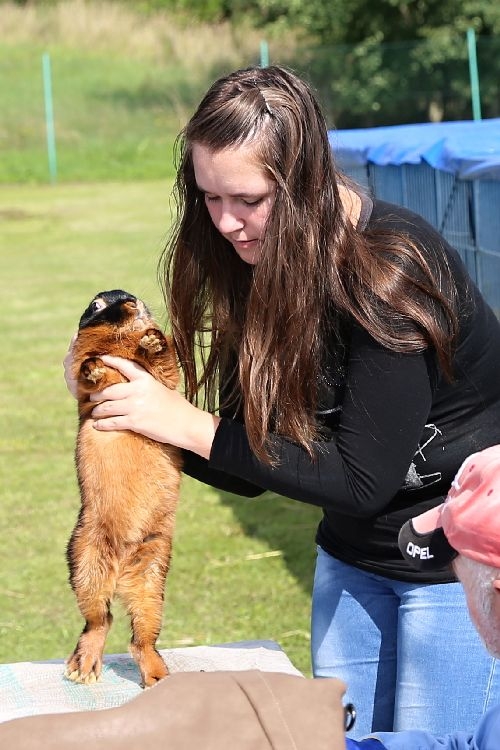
x=201 y=434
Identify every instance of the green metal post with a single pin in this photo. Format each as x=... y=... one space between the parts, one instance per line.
x=473 y=74
x=264 y=54
x=49 y=117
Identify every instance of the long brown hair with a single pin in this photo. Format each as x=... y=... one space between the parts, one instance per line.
x=315 y=269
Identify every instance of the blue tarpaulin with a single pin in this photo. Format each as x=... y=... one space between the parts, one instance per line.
x=448 y=172
x=467 y=149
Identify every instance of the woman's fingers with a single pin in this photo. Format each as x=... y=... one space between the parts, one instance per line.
x=131 y=370
x=71 y=382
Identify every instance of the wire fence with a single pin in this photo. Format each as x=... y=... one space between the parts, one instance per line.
x=405 y=82
x=116 y=118
x=465 y=212
x=75 y=115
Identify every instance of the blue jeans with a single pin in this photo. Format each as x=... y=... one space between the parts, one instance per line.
x=408 y=652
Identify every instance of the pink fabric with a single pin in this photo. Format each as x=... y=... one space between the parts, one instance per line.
x=470 y=516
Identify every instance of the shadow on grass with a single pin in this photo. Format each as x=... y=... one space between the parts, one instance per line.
x=284 y=525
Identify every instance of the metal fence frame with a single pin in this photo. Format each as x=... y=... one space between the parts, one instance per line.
x=466 y=212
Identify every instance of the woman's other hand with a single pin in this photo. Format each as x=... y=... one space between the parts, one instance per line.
x=71 y=383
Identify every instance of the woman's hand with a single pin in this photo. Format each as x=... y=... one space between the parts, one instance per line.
x=67 y=364
x=146 y=406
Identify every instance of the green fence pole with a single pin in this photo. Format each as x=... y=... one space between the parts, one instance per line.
x=49 y=117
x=473 y=74
x=264 y=54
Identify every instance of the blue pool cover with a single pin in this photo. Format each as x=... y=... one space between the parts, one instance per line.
x=467 y=149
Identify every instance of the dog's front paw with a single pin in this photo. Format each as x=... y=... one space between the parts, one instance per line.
x=153 y=341
x=84 y=667
x=93 y=369
x=85 y=663
x=83 y=679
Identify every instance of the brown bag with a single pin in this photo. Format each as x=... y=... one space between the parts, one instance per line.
x=247 y=710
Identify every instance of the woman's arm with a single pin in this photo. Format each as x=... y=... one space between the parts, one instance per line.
x=200 y=469
x=386 y=405
x=136 y=399
x=146 y=406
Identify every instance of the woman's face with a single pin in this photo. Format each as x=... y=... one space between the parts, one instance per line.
x=238 y=194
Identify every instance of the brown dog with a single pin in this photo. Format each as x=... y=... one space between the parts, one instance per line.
x=129 y=487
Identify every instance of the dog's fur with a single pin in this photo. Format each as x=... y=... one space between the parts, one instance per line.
x=129 y=488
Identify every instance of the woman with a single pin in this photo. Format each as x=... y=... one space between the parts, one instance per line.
x=347 y=362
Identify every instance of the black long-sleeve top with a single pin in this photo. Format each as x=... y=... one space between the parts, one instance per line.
x=396 y=431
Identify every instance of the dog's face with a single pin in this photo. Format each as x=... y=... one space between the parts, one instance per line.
x=119 y=324
x=116 y=308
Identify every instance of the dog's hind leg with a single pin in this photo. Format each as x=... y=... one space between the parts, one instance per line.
x=93 y=574
x=141 y=587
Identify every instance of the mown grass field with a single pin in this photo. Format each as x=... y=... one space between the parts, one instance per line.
x=242 y=569
x=123 y=86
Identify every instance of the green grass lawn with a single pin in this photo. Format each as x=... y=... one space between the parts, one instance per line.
x=122 y=86
x=112 y=115
x=242 y=569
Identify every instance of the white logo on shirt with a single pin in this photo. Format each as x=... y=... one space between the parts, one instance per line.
x=413 y=479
